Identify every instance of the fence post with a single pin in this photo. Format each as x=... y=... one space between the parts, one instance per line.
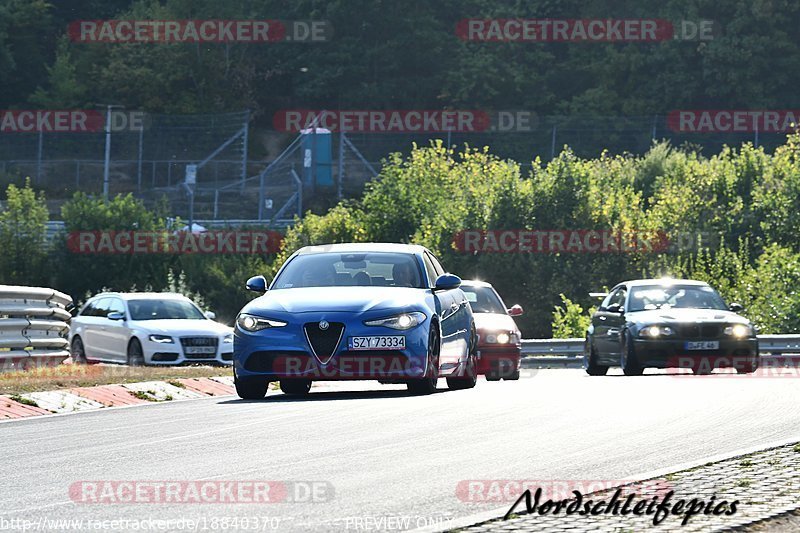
x=341 y=165
x=244 y=145
x=39 y=157
x=261 y=196
x=756 y=135
x=655 y=122
x=139 y=166
x=553 y=143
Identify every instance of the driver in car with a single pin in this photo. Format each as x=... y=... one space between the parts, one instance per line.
x=403 y=275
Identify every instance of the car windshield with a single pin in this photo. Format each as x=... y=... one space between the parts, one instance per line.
x=483 y=300
x=380 y=269
x=649 y=297
x=164 y=309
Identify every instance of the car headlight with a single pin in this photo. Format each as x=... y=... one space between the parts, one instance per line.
x=502 y=338
x=739 y=331
x=256 y=323
x=227 y=339
x=654 y=332
x=402 y=321
x=162 y=339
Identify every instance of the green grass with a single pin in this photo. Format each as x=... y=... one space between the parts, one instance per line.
x=142 y=395
x=746 y=463
x=25 y=401
x=68 y=376
x=744 y=482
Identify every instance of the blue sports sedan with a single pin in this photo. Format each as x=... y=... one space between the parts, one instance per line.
x=385 y=312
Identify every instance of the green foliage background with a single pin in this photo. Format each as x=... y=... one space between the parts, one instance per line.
x=743 y=201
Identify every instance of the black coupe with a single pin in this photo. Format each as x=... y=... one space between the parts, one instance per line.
x=667 y=323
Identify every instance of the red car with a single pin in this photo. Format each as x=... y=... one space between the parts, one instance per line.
x=499 y=342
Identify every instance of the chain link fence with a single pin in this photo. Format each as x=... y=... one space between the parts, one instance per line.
x=152 y=161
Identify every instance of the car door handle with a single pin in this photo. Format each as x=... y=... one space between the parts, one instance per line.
x=454 y=307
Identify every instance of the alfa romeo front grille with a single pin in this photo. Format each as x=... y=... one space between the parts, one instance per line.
x=324 y=342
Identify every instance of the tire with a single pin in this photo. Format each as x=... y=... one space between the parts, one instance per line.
x=78 y=352
x=492 y=377
x=628 y=361
x=251 y=388
x=427 y=384
x=591 y=366
x=298 y=387
x=749 y=368
x=514 y=376
x=468 y=379
x=697 y=371
x=135 y=353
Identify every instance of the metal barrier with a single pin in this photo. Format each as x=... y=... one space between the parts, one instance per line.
x=767 y=345
x=569 y=352
x=33 y=327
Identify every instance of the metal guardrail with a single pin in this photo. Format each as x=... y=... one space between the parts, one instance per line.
x=33 y=327
x=767 y=344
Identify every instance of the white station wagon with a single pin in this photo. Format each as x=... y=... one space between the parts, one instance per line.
x=148 y=328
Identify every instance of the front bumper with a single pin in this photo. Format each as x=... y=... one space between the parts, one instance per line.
x=672 y=353
x=174 y=353
x=285 y=352
x=496 y=359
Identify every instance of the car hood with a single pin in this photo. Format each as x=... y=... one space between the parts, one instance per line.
x=492 y=322
x=686 y=315
x=182 y=327
x=335 y=299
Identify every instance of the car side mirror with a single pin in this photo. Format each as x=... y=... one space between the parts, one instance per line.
x=211 y=315
x=446 y=282
x=614 y=308
x=257 y=284
x=115 y=315
x=736 y=308
x=516 y=310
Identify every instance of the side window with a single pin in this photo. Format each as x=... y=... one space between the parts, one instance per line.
x=436 y=265
x=101 y=308
x=617 y=296
x=116 y=306
x=90 y=309
x=429 y=268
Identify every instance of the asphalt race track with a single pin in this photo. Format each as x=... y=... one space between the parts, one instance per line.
x=393 y=460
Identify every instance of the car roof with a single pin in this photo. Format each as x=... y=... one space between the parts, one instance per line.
x=662 y=281
x=355 y=247
x=476 y=283
x=143 y=295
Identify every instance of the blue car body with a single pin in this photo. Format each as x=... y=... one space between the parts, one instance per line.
x=299 y=349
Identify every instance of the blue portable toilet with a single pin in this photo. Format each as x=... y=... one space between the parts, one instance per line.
x=317 y=147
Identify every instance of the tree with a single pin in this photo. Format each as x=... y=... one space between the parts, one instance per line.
x=22 y=236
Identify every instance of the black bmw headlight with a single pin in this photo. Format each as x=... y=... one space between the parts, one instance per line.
x=656 y=331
